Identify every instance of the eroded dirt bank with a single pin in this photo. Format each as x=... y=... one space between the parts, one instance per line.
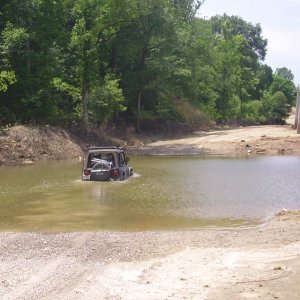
x=28 y=144
x=253 y=263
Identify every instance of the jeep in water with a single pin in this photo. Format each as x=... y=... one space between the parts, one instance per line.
x=106 y=163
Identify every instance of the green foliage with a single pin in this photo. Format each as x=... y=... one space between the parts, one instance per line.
x=166 y=109
x=66 y=88
x=274 y=107
x=68 y=100
x=13 y=41
x=231 y=26
x=239 y=47
x=253 y=112
x=285 y=73
x=187 y=9
x=94 y=60
x=286 y=86
x=107 y=99
x=6 y=78
x=264 y=75
x=278 y=107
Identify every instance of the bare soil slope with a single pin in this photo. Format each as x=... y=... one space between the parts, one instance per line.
x=25 y=144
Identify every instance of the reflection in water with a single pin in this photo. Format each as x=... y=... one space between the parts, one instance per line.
x=168 y=192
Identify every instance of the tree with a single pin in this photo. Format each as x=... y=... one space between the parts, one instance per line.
x=93 y=60
x=230 y=26
x=287 y=87
x=285 y=73
x=143 y=44
x=95 y=24
x=186 y=9
x=30 y=48
x=107 y=98
x=83 y=45
x=264 y=75
x=241 y=47
x=275 y=107
x=194 y=72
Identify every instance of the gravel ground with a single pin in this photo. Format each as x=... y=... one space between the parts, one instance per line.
x=251 y=263
x=252 y=140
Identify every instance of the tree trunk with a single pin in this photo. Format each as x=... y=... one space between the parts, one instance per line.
x=297 y=110
x=28 y=54
x=85 y=97
x=28 y=89
x=241 y=112
x=140 y=91
x=138 y=115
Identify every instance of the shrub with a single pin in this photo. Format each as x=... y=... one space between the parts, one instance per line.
x=275 y=107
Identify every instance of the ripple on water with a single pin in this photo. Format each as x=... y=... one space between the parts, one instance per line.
x=164 y=193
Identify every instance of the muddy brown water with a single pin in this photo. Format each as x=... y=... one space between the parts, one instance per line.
x=164 y=193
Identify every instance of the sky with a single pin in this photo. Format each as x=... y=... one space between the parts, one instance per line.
x=280 y=23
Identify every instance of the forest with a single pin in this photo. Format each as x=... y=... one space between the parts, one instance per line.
x=136 y=62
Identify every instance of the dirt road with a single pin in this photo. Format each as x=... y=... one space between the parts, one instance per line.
x=253 y=263
x=252 y=140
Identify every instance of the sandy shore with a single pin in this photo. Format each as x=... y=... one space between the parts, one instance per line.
x=252 y=140
x=250 y=263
